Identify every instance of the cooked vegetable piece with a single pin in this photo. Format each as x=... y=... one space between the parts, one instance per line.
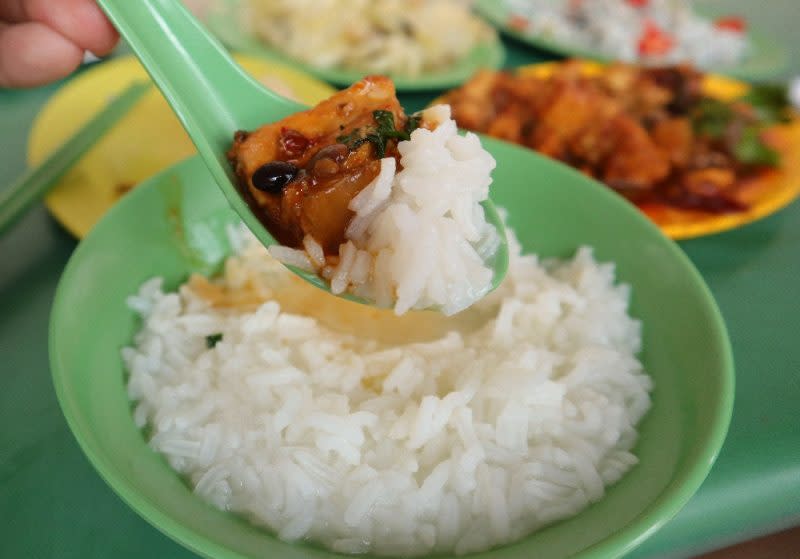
x=751 y=149
x=299 y=174
x=770 y=102
x=213 y=339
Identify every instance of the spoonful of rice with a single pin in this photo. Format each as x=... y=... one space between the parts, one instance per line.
x=353 y=195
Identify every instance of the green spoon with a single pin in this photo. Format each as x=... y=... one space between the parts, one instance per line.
x=213 y=97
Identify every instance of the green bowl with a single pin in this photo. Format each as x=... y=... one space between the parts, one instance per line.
x=173 y=225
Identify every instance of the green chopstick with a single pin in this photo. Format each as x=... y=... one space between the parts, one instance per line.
x=34 y=183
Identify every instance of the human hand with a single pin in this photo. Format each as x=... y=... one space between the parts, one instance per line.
x=44 y=40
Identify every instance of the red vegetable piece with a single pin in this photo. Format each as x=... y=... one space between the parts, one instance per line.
x=293 y=143
x=516 y=21
x=732 y=23
x=654 y=41
x=639 y=3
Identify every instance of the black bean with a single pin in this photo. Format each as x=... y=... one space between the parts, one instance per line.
x=272 y=177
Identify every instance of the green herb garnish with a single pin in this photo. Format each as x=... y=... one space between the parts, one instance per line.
x=770 y=102
x=213 y=340
x=720 y=120
x=712 y=117
x=351 y=138
x=751 y=150
x=383 y=132
x=412 y=124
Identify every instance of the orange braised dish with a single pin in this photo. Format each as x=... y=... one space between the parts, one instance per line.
x=300 y=173
x=651 y=134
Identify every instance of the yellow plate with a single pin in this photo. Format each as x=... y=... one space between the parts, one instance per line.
x=763 y=195
x=142 y=143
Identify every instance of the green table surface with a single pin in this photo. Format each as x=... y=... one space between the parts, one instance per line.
x=53 y=504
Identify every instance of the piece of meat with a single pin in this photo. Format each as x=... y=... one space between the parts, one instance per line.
x=506 y=127
x=683 y=83
x=709 y=182
x=568 y=110
x=326 y=174
x=675 y=137
x=473 y=103
x=636 y=162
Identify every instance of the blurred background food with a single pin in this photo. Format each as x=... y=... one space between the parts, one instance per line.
x=653 y=32
x=392 y=36
x=730 y=15
x=399 y=37
x=649 y=31
x=655 y=135
x=776 y=19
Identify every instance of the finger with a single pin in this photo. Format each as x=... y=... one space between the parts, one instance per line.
x=13 y=11
x=80 y=21
x=32 y=54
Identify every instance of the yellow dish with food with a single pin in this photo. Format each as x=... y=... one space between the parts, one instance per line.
x=697 y=153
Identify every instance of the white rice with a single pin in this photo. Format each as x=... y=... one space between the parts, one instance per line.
x=613 y=27
x=517 y=413
x=419 y=238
